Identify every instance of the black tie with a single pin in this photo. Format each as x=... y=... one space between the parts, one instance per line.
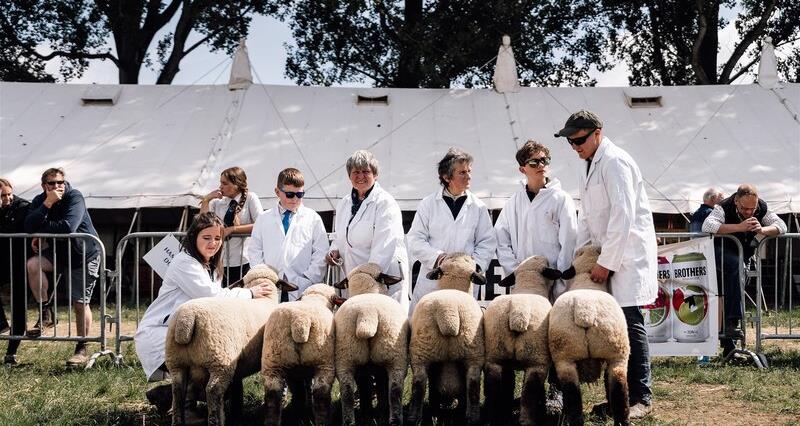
x=230 y=213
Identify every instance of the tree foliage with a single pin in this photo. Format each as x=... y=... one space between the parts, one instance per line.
x=676 y=42
x=77 y=31
x=433 y=44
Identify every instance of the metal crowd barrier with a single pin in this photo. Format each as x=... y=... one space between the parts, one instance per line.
x=742 y=347
x=786 y=285
x=59 y=282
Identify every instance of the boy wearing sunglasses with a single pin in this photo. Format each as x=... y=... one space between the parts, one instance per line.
x=290 y=237
x=615 y=215
x=61 y=209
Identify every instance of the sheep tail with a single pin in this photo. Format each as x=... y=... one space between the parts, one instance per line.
x=519 y=315
x=367 y=324
x=184 y=326
x=585 y=315
x=301 y=329
x=448 y=320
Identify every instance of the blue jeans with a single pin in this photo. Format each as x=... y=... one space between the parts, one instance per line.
x=728 y=280
x=639 y=378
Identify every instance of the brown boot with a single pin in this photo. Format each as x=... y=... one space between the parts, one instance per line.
x=161 y=397
x=46 y=321
x=80 y=358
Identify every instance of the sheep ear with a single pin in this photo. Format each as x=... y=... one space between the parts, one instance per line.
x=434 y=274
x=285 y=285
x=551 y=274
x=478 y=268
x=341 y=284
x=509 y=280
x=388 y=279
x=337 y=301
x=568 y=274
x=478 y=278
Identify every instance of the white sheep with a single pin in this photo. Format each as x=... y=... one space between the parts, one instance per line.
x=215 y=342
x=516 y=328
x=587 y=330
x=447 y=338
x=299 y=345
x=371 y=345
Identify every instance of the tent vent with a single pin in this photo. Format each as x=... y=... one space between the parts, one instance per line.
x=100 y=95
x=643 y=101
x=373 y=100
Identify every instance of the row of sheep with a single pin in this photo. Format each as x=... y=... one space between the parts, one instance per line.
x=368 y=343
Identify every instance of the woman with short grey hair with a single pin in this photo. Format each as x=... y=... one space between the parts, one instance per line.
x=452 y=219
x=369 y=226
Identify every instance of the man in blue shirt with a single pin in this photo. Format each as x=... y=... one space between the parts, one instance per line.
x=711 y=198
x=60 y=209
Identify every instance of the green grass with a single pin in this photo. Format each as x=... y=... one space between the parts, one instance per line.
x=42 y=391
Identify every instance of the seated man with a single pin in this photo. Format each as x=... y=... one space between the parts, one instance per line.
x=744 y=216
x=60 y=209
x=290 y=237
x=711 y=198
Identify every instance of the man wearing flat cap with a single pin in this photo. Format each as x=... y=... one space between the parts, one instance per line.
x=615 y=214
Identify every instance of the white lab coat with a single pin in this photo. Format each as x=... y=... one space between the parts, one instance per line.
x=298 y=255
x=434 y=231
x=374 y=235
x=186 y=279
x=546 y=226
x=615 y=213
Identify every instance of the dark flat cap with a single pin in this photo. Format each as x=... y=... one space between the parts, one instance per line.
x=580 y=120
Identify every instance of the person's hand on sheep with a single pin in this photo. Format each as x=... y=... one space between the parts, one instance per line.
x=262 y=290
x=599 y=273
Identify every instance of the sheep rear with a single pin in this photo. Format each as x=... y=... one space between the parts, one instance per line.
x=367 y=324
x=184 y=326
x=519 y=315
x=448 y=320
x=585 y=315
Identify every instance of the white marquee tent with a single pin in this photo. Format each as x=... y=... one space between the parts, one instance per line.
x=150 y=146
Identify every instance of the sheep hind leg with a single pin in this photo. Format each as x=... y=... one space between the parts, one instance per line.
x=218 y=384
x=617 y=391
x=532 y=403
x=180 y=383
x=273 y=398
x=321 y=394
x=397 y=378
x=495 y=407
x=570 y=387
x=347 y=390
x=473 y=393
x=418 y=384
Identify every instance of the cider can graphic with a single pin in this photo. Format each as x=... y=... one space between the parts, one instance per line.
x=656 y=314
x=690 y=298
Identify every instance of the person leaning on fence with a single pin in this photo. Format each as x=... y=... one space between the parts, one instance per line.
x=616 y=215
x=196 y=271
x=711 y=198
x=238 y=208
x=746 y=217
x=450 y=220
x=369 y=227
x=13 y=210
x=538 y=219
x=61 y=209
x=290 y=237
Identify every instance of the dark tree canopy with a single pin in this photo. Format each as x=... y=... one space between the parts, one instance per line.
x=433 y=44
x=77 y=31
x=676 y=42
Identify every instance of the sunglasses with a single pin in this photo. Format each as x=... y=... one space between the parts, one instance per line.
x=536 y=162
x=55 y=182
x=581 y=140
x=292 y=194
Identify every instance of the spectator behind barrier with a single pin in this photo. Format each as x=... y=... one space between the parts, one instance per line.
x=61 y=209
x=711 y=198
x=238 y=208
x=13 y=210
x=746 y=217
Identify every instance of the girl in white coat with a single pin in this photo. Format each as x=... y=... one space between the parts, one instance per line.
x=238 y=208
x=538 y=219
x=194 y=272
x=369 y=227
x=452 y=219
x=290 y=237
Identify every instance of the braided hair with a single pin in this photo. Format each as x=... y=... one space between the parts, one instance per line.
x=238 y=178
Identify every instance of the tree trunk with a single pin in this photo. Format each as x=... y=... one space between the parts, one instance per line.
x=708 y=46
x=182 y=30
x=408 y=66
